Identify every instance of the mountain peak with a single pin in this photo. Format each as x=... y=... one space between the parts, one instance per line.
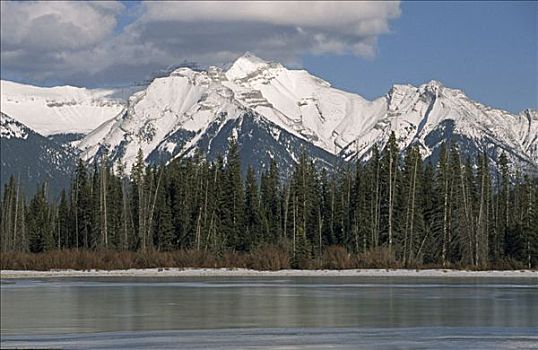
x=251 y=57
x=245 y=65
x=432 y=87
x=434 y=83
x=10 y=128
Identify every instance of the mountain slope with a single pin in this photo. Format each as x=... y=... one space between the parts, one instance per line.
x=301 y=103
x=432 y=114
x=61 y=109
x=273 y=112
x=177 y=112
x=191 y=110
x=33 y=158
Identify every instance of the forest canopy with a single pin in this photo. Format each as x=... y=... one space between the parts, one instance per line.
x=457 y=213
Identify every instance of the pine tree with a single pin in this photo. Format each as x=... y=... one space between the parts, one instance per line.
x=215 y=193
x=253 y=222
x=9 y=227
x=103 y=199
x=63 y=222
x=441 y=215
x=326 y=209
x=389 y=182
x=163 y=228
x=503 y=211
x=307 y=220
x=126 y=238
x=431 y=203
x=94 y=239
x=531 y=223
x=457 y=224
x=413 y=227
x=482 y=222
x=232 y=218
x=40 y=223
x=138 y=205
x=271 y=203
x=81 y=197
x=363 y=225
x=373 y=176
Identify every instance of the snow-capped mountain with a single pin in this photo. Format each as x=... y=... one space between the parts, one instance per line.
x=430 y=114
x=273 y=112
x=33 y=158
x=191 y=110
x=61 y=109
x=185 y=110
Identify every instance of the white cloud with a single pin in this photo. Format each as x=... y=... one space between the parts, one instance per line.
x=359 y=18
x=78 y=42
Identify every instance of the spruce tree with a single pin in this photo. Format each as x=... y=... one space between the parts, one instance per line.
x=373 y=178
x=413 y=226
x=441 y=215
x=271 y=203
x=232 y=199
x=40 y=223
x=63 y=222
x=389 y=181
x=253 y=222
x=81 y=197
x=138 y=200
x=430 y=201
x=163 y=228
x=503 y=208
x=483 y=181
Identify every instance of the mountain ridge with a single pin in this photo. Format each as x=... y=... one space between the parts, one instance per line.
x=33 y=158
x=189 y=109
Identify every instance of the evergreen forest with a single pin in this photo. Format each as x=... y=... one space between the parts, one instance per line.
x=394 y=210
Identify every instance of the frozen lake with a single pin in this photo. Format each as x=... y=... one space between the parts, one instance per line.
x=271 y=313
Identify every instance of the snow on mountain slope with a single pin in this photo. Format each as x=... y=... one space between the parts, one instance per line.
x=61 y=109
x=189 y=110
x=347 y=124
x=180 y=105
x=260 y=142
x=432 y=114
x=33 y=158
x=301 y=103
x=176 y=112
x=527 y=132
x=10 y=128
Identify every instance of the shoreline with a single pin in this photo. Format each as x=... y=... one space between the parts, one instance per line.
x=241 y=272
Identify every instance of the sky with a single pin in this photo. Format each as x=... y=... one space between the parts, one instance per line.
x=486 y=49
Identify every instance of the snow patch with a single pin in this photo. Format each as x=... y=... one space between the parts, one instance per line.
x=240 y=272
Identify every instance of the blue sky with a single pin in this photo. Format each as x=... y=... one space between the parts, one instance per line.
x=487 y=49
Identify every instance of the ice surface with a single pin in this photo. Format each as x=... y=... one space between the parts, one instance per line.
x=475 y=338
x=270 y=312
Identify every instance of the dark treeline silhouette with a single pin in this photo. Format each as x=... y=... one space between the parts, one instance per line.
x=395 y=209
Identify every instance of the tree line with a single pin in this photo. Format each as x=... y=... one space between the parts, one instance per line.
x=454 y=214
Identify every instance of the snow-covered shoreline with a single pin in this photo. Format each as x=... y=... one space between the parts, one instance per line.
x=238 y=272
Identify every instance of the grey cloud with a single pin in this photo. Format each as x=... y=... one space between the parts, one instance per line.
x=56 y=25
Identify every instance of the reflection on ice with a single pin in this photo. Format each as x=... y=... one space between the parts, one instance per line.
x=296 y=338
x=298 y=312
